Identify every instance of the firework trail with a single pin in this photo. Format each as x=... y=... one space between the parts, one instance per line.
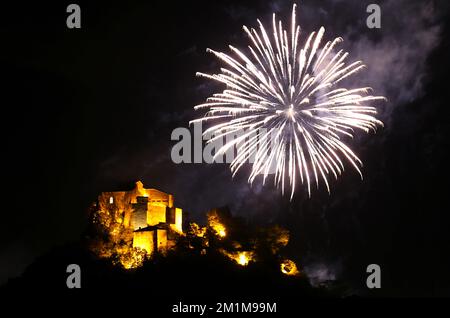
x=288 y=96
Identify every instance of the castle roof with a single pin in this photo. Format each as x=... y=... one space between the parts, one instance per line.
x=160 y=226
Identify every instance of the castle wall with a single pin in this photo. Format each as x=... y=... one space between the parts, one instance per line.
x=149 y=240
x=158 y=196
x=156 y=214
x=170 y=201
x=117 y=204
x=139 y=215
x=161 y=240
x=144 y=240
x=177 y=223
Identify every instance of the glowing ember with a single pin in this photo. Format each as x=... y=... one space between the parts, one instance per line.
x=243 y=259
x=288 y=267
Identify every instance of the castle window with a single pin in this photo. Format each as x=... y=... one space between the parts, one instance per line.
x=111 y=200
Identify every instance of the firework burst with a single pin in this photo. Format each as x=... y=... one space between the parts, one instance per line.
x=288 y=96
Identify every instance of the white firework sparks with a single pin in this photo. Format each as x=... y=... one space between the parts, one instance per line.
x=291 y=92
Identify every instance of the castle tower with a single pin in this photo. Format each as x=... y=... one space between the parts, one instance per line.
x=139 y=214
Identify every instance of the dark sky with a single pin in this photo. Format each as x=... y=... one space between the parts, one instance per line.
x=92 y=110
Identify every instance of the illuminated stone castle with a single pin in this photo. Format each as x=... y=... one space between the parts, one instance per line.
x=150 y=213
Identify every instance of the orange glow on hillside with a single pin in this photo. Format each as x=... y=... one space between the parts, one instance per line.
x=217 y=226
x=242 y=258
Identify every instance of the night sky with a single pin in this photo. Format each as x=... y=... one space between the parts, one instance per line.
x=92 y=109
